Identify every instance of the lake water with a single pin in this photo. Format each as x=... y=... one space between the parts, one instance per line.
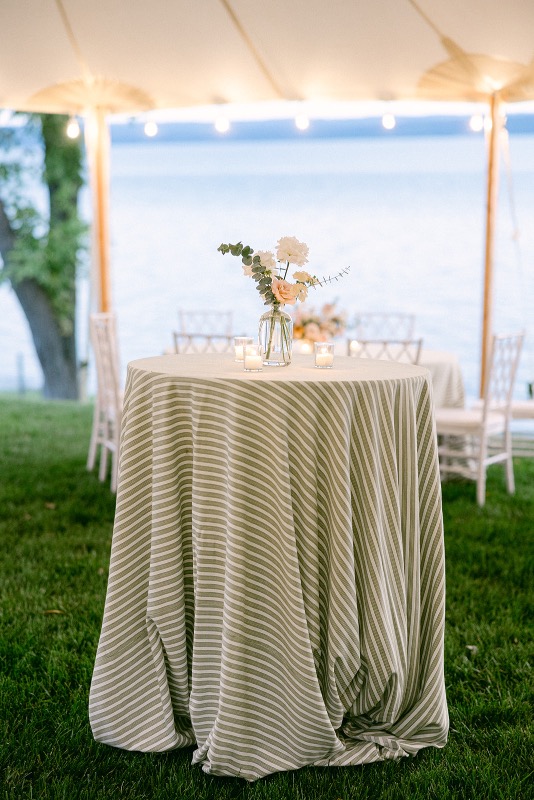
x=406 y=213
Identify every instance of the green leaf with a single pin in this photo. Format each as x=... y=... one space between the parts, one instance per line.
x=247 y=251
x=236 y=249
x=223 y=248
x=247 y=261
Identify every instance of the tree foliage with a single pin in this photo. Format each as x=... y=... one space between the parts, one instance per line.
x=48 y=244
x=43 y=239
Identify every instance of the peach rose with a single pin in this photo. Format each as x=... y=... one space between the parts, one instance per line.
x=284 y=291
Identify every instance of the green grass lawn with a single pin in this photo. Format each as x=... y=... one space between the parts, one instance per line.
x=55 y=533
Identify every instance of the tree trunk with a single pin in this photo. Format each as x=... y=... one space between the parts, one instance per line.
x=56 y=352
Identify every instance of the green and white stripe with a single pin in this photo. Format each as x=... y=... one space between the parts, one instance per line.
x=276 y=588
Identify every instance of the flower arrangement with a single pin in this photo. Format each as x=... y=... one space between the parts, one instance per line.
x=318 y=326
x=270 y=272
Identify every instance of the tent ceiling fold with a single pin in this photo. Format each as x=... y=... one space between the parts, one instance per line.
x=180 y=53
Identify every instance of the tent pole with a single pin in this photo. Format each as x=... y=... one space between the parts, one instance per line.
x=491 y=206
x=98 y=146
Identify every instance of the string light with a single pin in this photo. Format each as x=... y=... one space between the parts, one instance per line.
x=73 y=128
x=151 y=128
x=302 y=122
x=222 y=124
x=388 y=121
x=476 y=123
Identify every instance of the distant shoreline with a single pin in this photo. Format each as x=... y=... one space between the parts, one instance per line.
x=272 y=129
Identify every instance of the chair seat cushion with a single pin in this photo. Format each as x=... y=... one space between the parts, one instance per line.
x=522 y=409
x=463 y=421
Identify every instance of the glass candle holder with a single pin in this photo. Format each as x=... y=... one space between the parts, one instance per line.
x=324 y=355
x=239 y=343
x=253 y=358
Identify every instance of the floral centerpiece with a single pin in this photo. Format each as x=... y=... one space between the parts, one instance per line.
x=318 y=326
x=270 y=272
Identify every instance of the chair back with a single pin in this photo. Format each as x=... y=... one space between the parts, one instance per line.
x=203 y=331
x=103 y=332
x=202 y=343
x=407 y=351
x=383 y=325
x=503 y=362
x=205 y=323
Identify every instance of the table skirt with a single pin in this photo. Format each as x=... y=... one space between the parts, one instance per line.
x=276 y=589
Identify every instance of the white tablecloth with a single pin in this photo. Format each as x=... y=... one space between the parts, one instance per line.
x=276 y=586
x=447 y=378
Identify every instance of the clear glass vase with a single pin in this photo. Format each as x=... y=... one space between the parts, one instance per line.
x=276 y=337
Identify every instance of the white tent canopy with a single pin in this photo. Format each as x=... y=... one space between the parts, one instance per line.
x=181 y=53
x=111 y=56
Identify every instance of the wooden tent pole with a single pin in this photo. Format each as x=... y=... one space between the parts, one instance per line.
x=98 y=146
x=491 y=207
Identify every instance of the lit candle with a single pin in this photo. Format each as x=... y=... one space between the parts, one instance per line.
x=306 y=347
x=324 y=359
x=324 y=355
x=354 y=347
x=253 y=357
x=253 y=362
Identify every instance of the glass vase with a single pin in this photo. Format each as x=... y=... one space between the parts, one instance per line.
x=276 y=337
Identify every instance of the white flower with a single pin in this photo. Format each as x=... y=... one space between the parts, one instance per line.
x=292 y=251
x=247 y=270
x=304 y=277
x=301 y=291
x=266 y=258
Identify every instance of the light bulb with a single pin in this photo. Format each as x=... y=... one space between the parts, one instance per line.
x=73 y=128
x=476 y=123
x=151 y=128
x=388 y=121
x=302 y=122
x=222 y=125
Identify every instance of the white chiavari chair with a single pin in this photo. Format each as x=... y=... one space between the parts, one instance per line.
x=407 y=351
x=383 y=325
x=108 y=403
x=203 y=331
x=484 y=424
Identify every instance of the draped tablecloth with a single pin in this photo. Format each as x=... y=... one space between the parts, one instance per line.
x=276 y=585
x=447 y=378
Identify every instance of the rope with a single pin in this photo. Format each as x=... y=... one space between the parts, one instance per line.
x=70 y=33
x=249 y=43
x=426 y=19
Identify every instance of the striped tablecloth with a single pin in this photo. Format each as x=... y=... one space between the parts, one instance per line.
x=276 y=587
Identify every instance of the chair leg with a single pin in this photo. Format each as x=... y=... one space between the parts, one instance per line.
x=481 y=489
x=115 y=460
x=103 y=463
x=481 y=472
x=91 y=457
x=510 y=481
x=114 y=471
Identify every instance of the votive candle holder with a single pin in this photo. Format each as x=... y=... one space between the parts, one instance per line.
x=252 y=357
x=324 y=355
x=239 y=342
